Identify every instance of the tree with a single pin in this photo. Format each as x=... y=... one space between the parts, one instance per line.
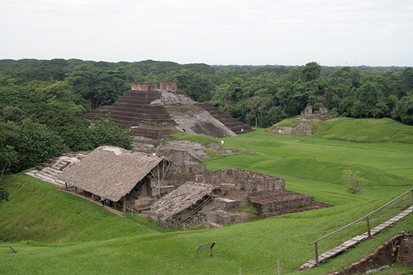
x=11 y=113
x=8 y=156
x=368 y=101
x=311 y=71
x=198 y=86
x=256 y=105
x=403 y=111
x=33 y=143
x=98 y=86
x=106 y=132
x=275 y=114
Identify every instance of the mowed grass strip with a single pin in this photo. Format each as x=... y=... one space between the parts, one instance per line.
x=126 y=245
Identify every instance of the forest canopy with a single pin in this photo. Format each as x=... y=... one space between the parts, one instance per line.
x=42 y=101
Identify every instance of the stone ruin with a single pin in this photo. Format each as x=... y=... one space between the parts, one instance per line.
x=311 y=113
x=154 y=110
x=219 y=196
x=173 y=209
x=181 y=194
x=398 y=250
x=151 y=86
x=305 y=126
x=302 y=129
x=50 y=170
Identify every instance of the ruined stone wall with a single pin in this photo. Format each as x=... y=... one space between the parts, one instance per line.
x=246 y=181
x=272 y=207
x=170 y=86
x=311 y=113
x=397 y=250
x=184 y=167
x=151 y=86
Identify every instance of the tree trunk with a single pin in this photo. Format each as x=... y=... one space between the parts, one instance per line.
x=2 y=172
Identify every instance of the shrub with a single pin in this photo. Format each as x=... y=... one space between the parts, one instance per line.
x=354 y=181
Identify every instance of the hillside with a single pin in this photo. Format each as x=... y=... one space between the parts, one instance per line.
x=76 y=237
x=350 y=129
x=38 y=211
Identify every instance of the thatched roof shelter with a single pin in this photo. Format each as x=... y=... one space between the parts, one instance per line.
x=184 y=197
x=110 y=172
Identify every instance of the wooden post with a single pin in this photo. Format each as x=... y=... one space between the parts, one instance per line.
x=368 y=227
x=159 y=182
x=124 y=205
x=316 y=252
x=66 y=186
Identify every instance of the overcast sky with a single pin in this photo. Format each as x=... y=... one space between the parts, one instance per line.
x=288 y=32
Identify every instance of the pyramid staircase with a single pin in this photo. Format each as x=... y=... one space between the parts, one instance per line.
x=234 y=124
x=49 y=172
x=133 y=111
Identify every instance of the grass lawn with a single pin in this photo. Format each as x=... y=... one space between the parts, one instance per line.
x=56 y=232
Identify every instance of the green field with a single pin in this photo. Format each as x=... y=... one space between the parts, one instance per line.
x=56 y=232
x=360 y=130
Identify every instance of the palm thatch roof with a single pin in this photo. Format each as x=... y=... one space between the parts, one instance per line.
x=110 y=172
x=182 y=198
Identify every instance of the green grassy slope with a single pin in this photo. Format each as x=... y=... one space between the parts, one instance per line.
x=365 y=130
x=101 y=243
x=38 y=211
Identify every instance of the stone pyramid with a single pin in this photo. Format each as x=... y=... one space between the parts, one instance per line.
x=153 y=110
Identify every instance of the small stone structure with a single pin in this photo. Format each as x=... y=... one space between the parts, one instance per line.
x=397 y=250
x=280 y=201
x=311 y=113
x=187 y=164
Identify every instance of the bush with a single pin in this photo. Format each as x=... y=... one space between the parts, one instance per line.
x=354 y=181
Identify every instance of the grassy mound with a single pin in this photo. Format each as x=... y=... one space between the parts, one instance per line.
x=350 y=129
x=76 y=237
x=38 y=211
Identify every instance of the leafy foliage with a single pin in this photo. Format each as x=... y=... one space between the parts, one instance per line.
x=360 y=92
x=354 y=181
x=56 y=93
x=31 y=142
x=106 y=132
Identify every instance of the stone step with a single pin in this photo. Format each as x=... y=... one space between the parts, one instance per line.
x=46 y=178
x=51 y=171
x=159 y=115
